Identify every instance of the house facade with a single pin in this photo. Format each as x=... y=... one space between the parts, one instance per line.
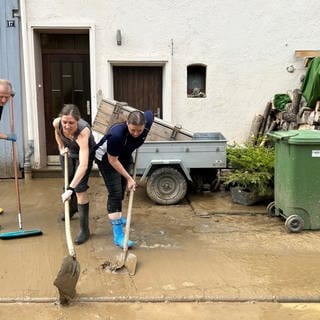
x=206 y=65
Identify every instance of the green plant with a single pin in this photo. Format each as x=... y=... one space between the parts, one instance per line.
x=252 y=168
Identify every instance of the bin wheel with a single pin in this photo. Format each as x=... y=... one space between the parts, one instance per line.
x=271 y=209
x=166 y=185
x=294 y=224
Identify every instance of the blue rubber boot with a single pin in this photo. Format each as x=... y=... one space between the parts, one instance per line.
x=118 y=234
x=124 y=221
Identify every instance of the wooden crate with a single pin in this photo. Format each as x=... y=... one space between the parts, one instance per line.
x=111 y=111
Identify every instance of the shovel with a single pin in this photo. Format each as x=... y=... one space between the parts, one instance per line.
x=68 y=275
x=127 y=259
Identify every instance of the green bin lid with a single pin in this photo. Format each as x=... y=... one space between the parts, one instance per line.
x=297 y=136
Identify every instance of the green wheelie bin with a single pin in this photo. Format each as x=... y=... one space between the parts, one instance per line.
x=297 y=179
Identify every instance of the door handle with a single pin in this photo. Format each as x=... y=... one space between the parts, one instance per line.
x=88 y=107
x=158 y=113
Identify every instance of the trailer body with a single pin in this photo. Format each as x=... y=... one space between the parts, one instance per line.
x=168 y=167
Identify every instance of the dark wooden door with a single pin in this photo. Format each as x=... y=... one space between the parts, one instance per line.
x=140 y=87
x=66 y=80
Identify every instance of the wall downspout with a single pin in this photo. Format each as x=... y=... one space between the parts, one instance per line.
x=26 y=68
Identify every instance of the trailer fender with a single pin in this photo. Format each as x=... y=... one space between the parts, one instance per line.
x=163 y=163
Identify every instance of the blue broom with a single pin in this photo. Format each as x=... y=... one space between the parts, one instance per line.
x=21 y=232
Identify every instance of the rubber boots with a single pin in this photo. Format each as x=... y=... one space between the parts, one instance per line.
x=84 y=233
x=73 y=206
x=124 y=221
x=118 y=234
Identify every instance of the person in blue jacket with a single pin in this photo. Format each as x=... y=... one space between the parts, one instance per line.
x=114 y=157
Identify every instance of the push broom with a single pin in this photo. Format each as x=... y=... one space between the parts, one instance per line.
x=21 y=232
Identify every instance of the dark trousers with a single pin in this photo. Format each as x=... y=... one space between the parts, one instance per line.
x=73 y=164
x=115 y=183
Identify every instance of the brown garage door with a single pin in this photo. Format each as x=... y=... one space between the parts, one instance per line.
x=140 y=87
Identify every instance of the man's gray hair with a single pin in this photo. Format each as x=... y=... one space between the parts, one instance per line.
x=7 y=83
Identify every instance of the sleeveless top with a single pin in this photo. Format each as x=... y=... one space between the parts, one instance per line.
x=72 y=144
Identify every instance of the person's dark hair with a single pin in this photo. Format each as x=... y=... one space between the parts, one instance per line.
x=136 y=118
x=70 y=110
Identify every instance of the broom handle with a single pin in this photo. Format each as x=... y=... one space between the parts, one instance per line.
x=128 y=222
x=14 y=158
x=67 y=209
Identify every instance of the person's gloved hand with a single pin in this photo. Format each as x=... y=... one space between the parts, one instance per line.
x=11 y=136
x=66 y=195
x=63 y=150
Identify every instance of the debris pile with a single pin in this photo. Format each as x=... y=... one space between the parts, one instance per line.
x=298 y=109
x=286 y=112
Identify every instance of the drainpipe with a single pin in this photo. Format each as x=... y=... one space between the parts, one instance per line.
x=27 y=90
x=27 y=161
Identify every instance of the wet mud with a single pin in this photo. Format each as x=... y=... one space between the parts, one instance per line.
x=205 y=249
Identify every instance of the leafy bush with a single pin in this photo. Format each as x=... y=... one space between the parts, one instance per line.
x=252 y=168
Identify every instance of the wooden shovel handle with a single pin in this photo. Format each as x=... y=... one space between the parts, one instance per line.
x=67 y=210
x=128 y=222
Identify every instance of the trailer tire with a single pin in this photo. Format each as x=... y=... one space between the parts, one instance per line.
x=166 y=185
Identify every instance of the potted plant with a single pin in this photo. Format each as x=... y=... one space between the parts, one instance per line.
x=252 y=173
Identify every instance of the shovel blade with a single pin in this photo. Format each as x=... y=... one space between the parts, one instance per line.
x=129 y=262
x=67 y=279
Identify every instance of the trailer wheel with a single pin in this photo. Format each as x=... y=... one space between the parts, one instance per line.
x=166 y=185
x=294 y=223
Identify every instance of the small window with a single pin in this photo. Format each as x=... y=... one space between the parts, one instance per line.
x=196 y=81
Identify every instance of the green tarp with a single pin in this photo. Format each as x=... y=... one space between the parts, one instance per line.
x=311 y=84
x=280 y=101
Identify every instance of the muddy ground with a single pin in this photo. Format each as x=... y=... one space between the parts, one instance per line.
x=206 y=258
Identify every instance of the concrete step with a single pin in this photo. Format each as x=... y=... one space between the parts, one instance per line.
x=55 y=171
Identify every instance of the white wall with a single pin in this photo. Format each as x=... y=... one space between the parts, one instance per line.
x=246 y=45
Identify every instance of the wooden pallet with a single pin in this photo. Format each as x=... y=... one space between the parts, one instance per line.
x=111 y=111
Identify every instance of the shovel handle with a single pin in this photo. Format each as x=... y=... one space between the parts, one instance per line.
x=128 y=222
x=70 y=246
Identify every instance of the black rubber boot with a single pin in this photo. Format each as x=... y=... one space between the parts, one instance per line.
x=73 y=206
x=84 y=233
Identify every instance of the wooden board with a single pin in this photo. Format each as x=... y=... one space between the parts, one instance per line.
x=307 y=53
x=111 y=111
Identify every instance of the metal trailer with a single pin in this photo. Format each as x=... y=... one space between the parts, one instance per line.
x=172 y=158
x=169 y=167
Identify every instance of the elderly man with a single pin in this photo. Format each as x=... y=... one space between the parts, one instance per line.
x=5 y=94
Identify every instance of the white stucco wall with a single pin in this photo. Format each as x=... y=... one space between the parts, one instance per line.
x=246 y=45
